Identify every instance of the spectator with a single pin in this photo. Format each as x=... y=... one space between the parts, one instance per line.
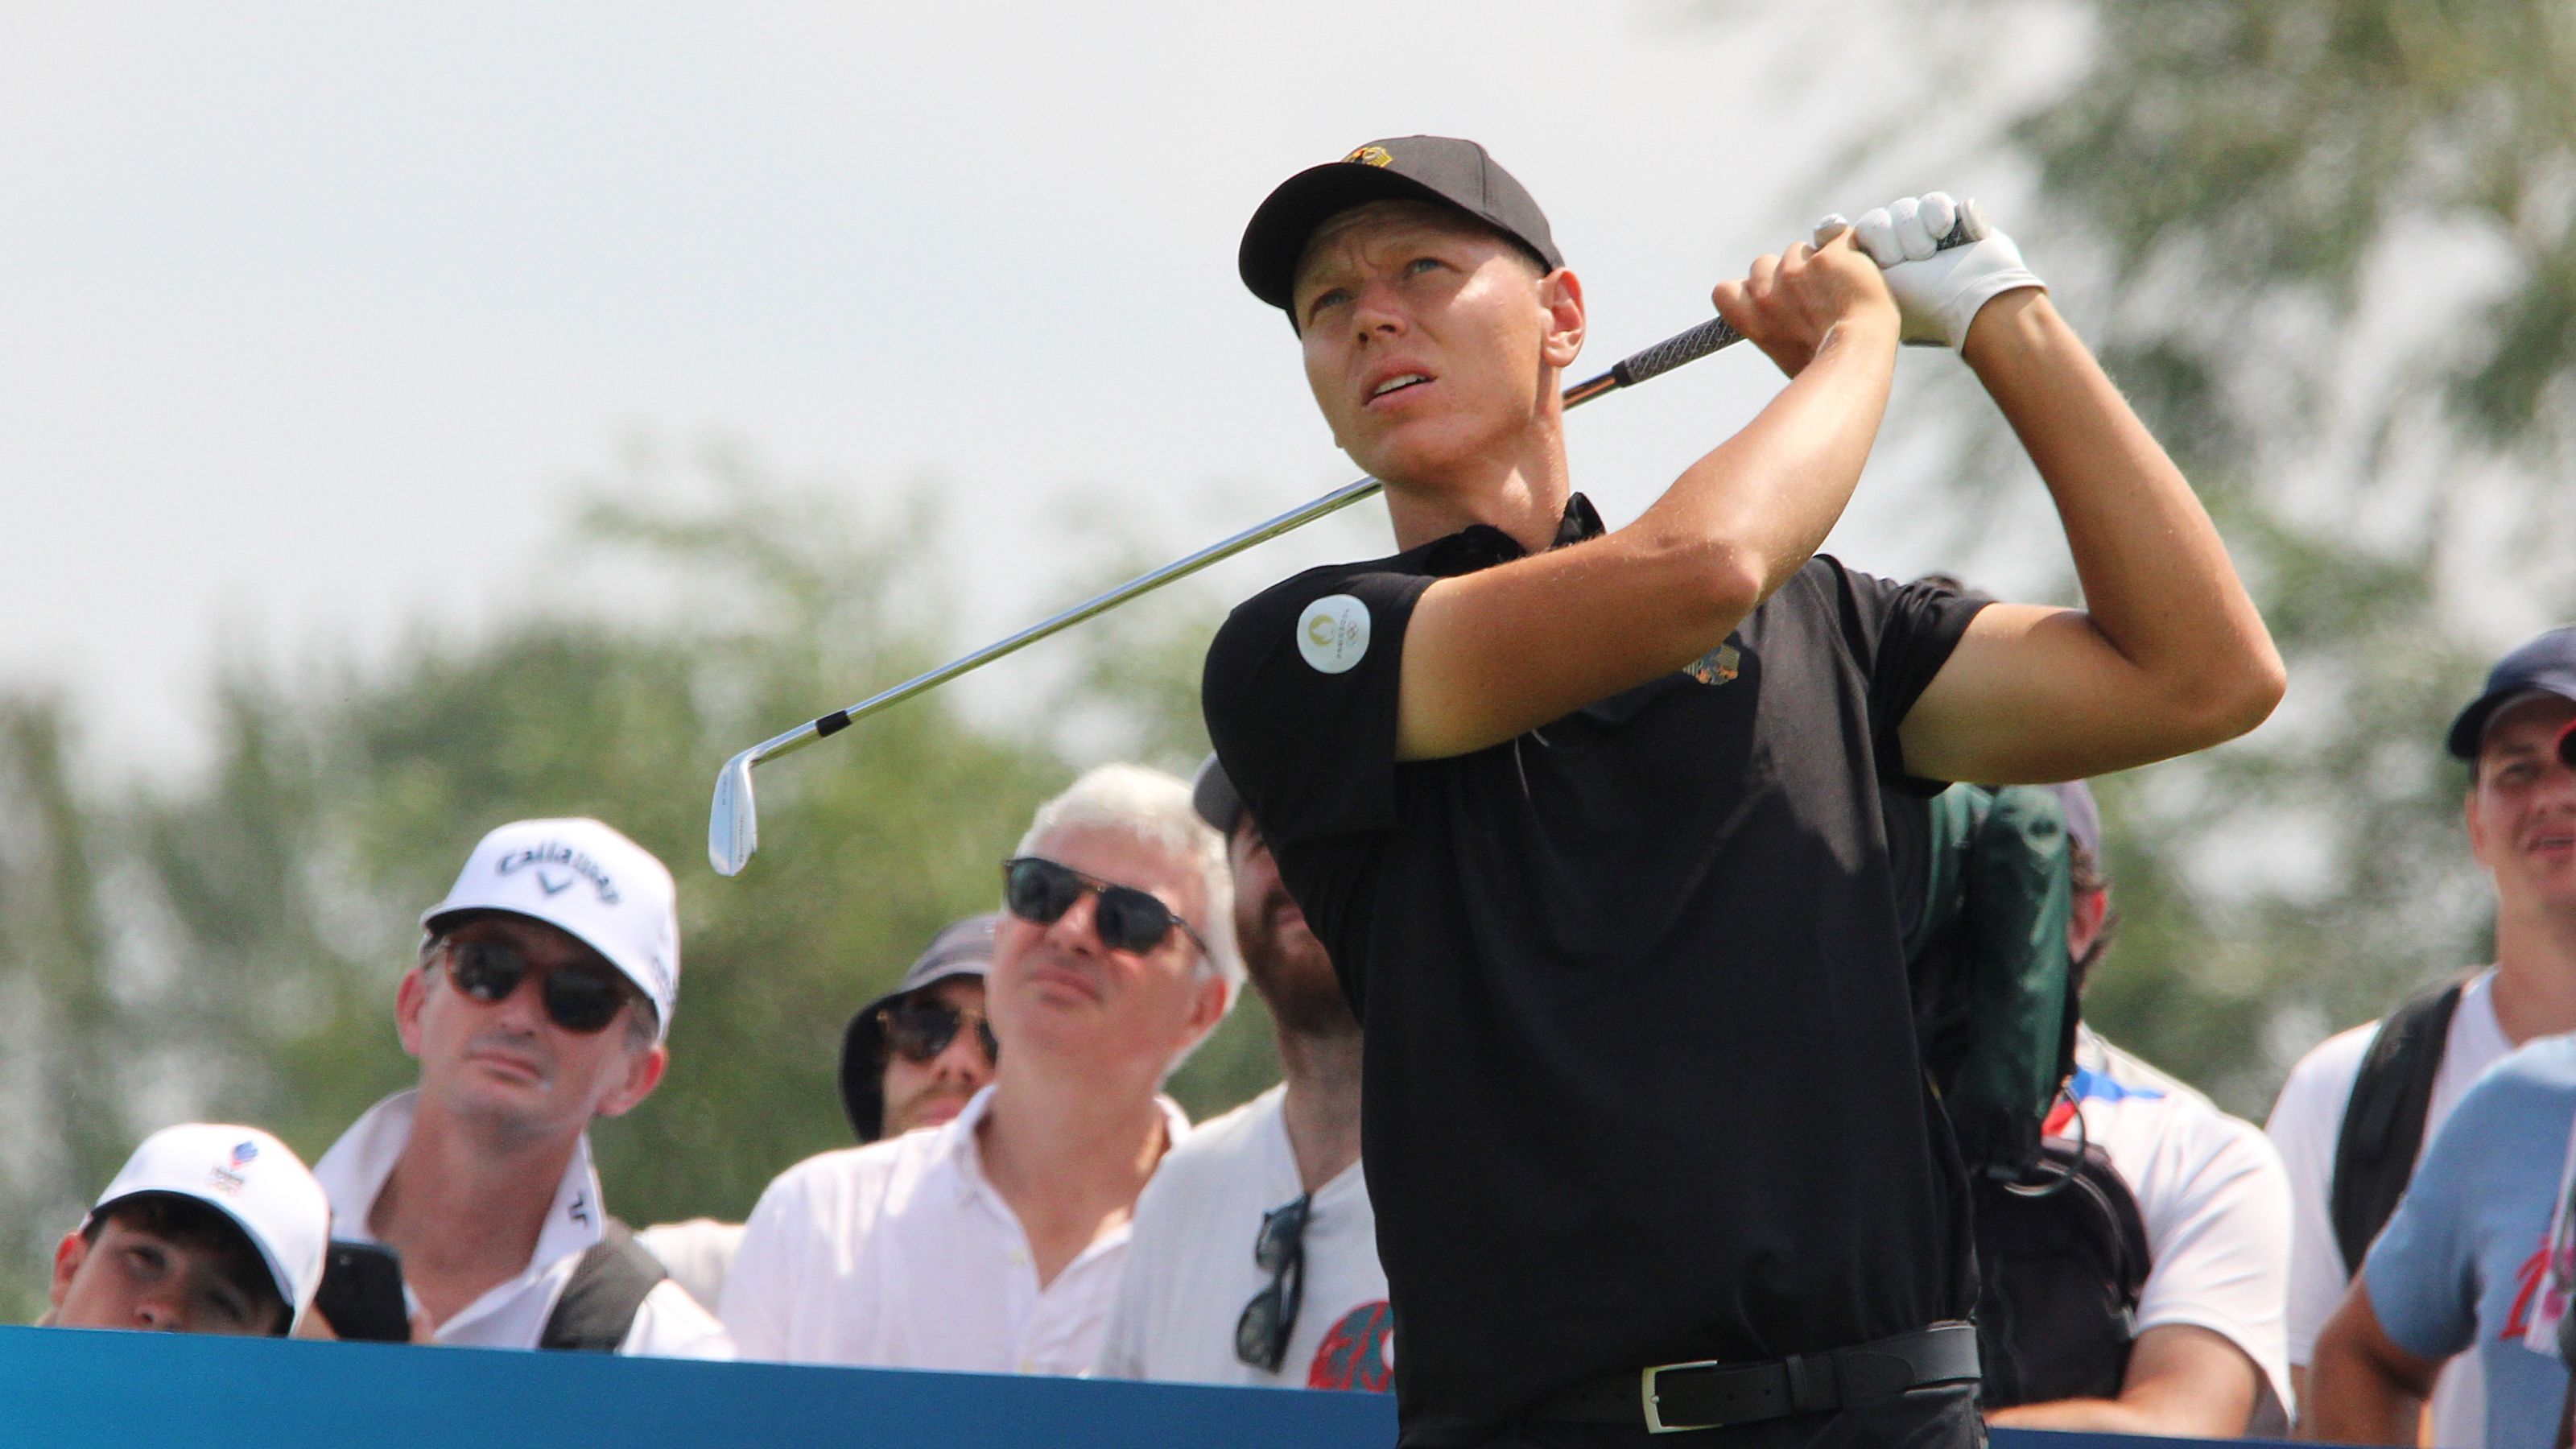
x=540 y=1001
x=911 y=1058
x=2425 y=1056
x=914 y=1056
x=1254 y=1259
x=995 y=1242
x=207 y=1229
x=2458 y=1268
x=2208 y=1358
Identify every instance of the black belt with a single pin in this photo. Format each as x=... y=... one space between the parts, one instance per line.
x=1669 y=1398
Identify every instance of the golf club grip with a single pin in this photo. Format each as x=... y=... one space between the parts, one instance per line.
x=1715 y=333
x=1673 y=351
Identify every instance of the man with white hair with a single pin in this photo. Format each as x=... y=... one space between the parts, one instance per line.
x=996 y=1242
x=540 y=1001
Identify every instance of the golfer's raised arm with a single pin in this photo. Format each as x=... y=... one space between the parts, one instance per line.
x=2167 y=655
x=1496 y=652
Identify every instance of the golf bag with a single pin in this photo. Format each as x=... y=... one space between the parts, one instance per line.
x=2061 y=1246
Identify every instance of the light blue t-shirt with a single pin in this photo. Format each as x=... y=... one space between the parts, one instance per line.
x=2461 y=1263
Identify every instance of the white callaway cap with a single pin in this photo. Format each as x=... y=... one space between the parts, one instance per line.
x=248 y=1176
x=587 y=880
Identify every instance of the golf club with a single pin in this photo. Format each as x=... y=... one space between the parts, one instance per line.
x=733 y=828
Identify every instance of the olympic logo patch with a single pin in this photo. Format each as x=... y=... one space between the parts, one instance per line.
x=1333 y=633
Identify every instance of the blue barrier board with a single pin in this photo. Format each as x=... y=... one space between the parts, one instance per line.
x=73 y=1389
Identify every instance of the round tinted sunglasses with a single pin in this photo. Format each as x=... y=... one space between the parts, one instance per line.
x=919 y=1030
x=577 y=998
x=1127 y=919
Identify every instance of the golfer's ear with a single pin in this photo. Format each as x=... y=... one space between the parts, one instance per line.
x=1561 y=293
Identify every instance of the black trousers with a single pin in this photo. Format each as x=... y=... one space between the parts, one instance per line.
x=1936 y=1418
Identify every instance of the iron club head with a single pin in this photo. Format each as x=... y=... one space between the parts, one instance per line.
x=733 y=826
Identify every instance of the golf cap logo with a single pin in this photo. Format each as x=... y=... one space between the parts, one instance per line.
x=1371 y=156
x=227 y=1178
x=1333 y=633
x=569 y=865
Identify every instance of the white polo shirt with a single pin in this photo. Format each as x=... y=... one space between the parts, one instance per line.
x=513 y=1314
x=901 y=1254
x=2213 y=1196
x=2307 y=1122
x=1190 y=1269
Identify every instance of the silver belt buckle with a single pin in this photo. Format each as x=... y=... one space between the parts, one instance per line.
x=1654 y=1413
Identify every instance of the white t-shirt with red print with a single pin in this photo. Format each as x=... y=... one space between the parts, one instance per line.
x=1190 y=1269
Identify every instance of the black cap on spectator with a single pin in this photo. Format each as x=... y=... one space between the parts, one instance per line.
x=962 y=948
x=1398 y=168
x=2546 y=665
x=1212 y=795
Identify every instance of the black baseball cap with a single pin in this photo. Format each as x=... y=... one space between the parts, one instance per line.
x=1440 y=169
x=2546 y=665
x=962 y=948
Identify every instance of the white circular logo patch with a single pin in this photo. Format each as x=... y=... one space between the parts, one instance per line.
x=1333 y=633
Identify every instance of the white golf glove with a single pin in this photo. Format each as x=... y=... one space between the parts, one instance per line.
x=1937 y=292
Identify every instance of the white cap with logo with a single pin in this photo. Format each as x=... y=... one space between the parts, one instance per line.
x=589 y=881
x=249 y=1177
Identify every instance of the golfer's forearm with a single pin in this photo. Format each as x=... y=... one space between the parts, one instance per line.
x=2158 y=584
x=1491 y=653
x=1760 y=504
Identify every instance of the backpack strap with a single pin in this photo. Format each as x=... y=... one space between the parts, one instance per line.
x=2383 y=1123
x=606 y=1291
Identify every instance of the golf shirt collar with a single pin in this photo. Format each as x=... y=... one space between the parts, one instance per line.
x=1481 y=545
x=354 y=1172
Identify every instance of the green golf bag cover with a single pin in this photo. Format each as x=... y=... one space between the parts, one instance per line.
x=1994 y=986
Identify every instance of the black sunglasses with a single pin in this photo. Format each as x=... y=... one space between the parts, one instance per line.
x=578 y=998
x=1127 y=919
x=921 y=1028
x=1261 y=1334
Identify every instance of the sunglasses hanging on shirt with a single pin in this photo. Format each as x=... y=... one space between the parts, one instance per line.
x=1279 y=1249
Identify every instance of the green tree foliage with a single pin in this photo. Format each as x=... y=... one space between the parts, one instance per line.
x=2328 y=247
x=231 y=948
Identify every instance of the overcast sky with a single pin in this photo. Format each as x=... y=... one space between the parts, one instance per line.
x=310 y=315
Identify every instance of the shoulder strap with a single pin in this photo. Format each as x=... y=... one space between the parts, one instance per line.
x=2383 y=1123
x=608 y=1286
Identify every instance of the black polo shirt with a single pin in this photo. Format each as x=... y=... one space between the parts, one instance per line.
x=1641 y=1079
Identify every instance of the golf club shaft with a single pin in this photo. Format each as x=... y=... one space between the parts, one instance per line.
x=1664 y=356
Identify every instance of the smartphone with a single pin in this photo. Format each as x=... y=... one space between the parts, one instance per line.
x=362 y=1293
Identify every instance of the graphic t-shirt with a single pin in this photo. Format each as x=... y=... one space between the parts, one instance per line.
x=1621 y=977
x=1190 y=1269
x=2307 y=1121
x=2461 y=1265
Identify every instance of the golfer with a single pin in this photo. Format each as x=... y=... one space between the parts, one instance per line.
x=1590 y=821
